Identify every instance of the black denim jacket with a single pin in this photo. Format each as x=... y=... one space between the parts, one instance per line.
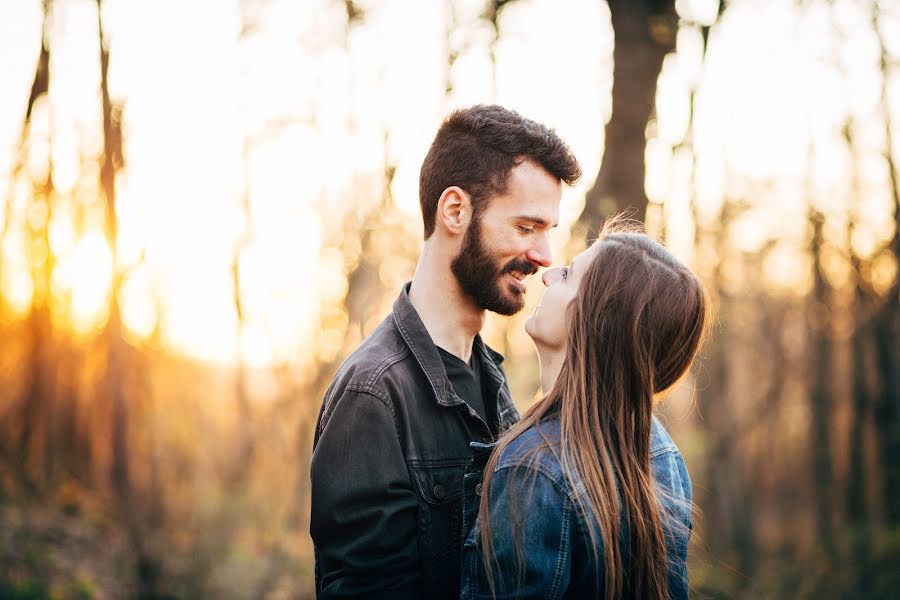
x=389 y=458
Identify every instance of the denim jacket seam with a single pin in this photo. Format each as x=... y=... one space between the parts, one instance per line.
x=368 y=391
x=508 y=410
x=337 y=398
x=378 y=395
x=563 y=552
x=356 y=389
x=374 y=393
x=556 y=479
x=558 y=483
x=666 y=448
x=369 y=385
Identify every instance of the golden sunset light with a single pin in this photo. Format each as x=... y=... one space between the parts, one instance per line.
x=207 y=206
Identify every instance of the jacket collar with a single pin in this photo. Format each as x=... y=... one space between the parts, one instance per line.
x=426 y=353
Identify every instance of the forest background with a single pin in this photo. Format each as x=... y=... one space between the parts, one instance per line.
x=206 y=205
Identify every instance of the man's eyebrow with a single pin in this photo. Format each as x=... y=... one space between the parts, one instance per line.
x=536 y=220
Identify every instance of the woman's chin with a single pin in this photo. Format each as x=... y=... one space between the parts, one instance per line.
x=529 y=326
x=532 y=332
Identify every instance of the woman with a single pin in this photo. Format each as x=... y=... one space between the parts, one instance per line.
x=588 y=497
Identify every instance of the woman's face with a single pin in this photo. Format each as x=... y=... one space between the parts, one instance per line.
x=548 y=325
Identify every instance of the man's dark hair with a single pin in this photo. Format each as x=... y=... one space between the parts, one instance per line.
x=476 y=148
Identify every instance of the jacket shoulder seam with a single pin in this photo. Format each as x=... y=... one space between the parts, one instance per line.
x=663 y=449
x=557 y=479
x=369 y=384
x=332 y=405
x=382 y=397
x=362 y=389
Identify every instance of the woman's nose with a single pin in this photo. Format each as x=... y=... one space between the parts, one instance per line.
x=549 y=276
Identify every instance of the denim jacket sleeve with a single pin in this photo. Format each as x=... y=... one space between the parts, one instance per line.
x=670 y=473
x=363 y=509
x=542 y=569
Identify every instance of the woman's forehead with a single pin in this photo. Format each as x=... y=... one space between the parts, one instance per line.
x=587 y=254
x=583 y=259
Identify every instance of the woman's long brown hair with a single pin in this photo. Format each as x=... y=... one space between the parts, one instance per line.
x=635 y=327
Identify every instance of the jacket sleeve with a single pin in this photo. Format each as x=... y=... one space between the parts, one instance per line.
x=679 y=587
x=671 y=476
x=363 y=508
x=528 y=512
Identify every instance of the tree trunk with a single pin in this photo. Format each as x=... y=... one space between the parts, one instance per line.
x=887 y=323
x=644 y=34
x=119 y=356
x=31 y=451
x=121 y=477
x=820 y=369
x=858 y=476
x=731 y=514
x=857 y=479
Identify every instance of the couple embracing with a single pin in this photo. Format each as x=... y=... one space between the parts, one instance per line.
x=426 y=481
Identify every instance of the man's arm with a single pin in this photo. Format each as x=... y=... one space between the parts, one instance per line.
x=363 y=520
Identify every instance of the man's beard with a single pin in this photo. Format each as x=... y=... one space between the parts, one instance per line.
x=479 y=276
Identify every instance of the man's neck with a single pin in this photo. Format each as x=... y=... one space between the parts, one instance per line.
x=449 y=315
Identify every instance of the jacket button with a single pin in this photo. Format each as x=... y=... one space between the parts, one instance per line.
x=439 y=491
x=478 y=489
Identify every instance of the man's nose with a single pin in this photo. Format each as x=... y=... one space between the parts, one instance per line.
x=540 y=252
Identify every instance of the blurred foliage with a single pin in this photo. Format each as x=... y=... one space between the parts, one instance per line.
x=128 y=469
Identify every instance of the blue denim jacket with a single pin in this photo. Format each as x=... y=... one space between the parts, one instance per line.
x=558 y=561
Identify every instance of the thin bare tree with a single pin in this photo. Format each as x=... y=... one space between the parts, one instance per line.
x=31 y=452
x=887 y=326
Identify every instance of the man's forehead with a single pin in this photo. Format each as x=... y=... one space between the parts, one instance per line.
x=541 y=209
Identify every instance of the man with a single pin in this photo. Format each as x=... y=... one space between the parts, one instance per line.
x=392 y=440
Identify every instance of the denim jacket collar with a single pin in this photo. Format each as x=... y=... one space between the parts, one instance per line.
x=416 y=336
x=548 y=430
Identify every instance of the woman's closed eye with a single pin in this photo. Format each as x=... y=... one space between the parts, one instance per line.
x=564 y=272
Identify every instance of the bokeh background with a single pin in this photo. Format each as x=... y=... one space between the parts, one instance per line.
x=206 y=205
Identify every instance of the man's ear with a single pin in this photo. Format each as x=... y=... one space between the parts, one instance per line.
x=454 y=210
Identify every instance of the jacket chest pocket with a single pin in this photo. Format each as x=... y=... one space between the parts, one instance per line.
x=440 y=491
